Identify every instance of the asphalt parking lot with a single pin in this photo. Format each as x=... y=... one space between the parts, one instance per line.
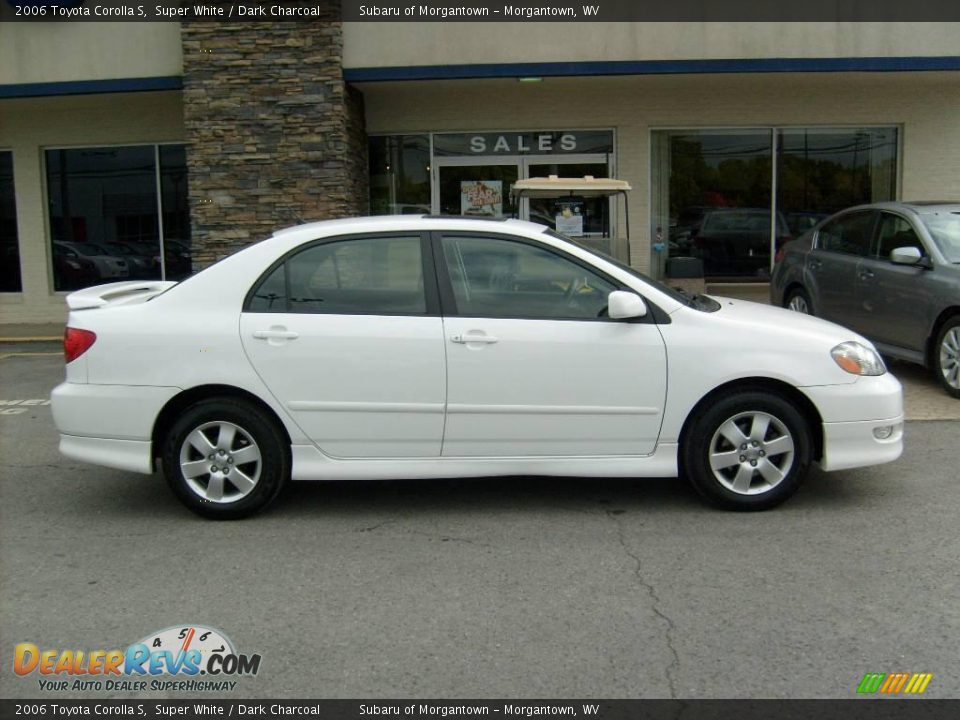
x=516 y=587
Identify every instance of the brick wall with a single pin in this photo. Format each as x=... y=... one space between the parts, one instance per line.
x=275 y=137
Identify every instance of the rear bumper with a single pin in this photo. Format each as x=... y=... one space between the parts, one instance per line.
x=131 y=455
x=109 y=425
x=122 y=412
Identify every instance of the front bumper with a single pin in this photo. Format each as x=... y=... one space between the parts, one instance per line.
x=851 y=413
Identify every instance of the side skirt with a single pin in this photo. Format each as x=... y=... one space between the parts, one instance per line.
x=311 y=464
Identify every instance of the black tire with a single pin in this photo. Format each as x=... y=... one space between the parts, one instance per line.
x=798 y=299
x=942 y=355
x=252 y=427
x=703 y=438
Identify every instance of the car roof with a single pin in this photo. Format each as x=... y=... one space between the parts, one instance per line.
x=381 y=223
x=915 y=206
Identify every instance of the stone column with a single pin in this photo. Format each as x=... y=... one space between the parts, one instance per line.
x=275 y=136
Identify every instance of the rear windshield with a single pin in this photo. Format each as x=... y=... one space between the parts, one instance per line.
x=944 y=227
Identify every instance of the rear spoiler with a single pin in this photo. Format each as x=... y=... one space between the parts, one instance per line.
x=118 y=293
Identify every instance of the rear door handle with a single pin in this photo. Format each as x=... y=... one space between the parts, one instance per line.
x=472 y=337
x=275 y=335
x=866 y=274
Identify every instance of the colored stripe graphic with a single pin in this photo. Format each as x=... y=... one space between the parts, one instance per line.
x=894 y=683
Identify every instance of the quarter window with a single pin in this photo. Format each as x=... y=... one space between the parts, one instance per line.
x=896 y=232
x=849 y=234
x=365 y=276
x=504 y=278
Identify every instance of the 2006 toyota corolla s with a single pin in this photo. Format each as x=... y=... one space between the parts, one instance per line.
x=411 y=347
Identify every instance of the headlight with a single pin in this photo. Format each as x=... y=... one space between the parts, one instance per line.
x=858 y=359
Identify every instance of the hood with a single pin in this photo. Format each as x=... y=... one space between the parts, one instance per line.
x=771 y=320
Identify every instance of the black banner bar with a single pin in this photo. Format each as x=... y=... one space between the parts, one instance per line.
x=479 y=11
x=855 y=709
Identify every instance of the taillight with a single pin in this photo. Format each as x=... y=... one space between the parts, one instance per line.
x=77 y=342
x=779 y=256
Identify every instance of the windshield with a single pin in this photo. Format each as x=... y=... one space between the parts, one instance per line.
x=699 y=302
x=944 y=227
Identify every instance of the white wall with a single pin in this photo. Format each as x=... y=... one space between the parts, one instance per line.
x=925 y=105
x=377 y=44
x=65 y=51
x=28 y=126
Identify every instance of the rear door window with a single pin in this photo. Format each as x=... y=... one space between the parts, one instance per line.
x=362 y=276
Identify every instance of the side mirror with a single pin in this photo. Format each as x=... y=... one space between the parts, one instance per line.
x=622 y=305
x=906 y=256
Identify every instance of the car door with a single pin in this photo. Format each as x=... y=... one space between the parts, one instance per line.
x=897 y=304
x=346 y=334
x=833 y=264
x=534 y=368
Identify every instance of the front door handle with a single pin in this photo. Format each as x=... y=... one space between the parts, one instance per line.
x=866 y=274
x=275 y=334
x=474 y=337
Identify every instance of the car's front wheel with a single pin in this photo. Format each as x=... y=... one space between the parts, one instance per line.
x=946 y=356
x=798 y=301
x=747 y=450
x=225 y=459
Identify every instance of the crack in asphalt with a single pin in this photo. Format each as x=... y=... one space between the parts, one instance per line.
x=442 y=537
x=674 y=664
x=375 y=527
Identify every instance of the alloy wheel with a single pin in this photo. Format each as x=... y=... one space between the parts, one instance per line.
x=798 y=303
x=751 y=453
x=220 y=462
x=950 y=357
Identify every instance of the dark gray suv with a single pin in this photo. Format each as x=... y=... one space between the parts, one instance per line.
x=890 y=271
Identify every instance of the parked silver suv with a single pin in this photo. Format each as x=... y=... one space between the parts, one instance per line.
x=890 y=271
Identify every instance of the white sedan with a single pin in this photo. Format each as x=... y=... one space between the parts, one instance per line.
x=413 y=347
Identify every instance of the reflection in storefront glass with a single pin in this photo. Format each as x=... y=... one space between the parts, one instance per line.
x=400 y=175
x=821 y=171
x=104 y=221
x=176 y=212
x=9 y=247
x=712 y=191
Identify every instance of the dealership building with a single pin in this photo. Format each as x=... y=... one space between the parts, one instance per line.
x=142 y=150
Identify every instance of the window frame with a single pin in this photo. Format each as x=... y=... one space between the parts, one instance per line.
x=448 y=302
x=16 y=225
x=430 y=289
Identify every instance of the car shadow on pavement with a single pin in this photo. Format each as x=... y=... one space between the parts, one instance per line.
x=150 y=498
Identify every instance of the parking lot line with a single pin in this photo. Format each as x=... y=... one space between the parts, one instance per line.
x=35 y=338
x=4 y=356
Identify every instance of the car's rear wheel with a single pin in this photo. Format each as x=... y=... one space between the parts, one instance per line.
x=225 y=459
x=946 y=356
x=798 y=301
x=747 y=450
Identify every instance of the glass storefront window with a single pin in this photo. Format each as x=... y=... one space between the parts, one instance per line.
x=9 y=245
x=823 y=170
x=104 y=220
x=400 y=175
x=713 y=190
x=176 y=212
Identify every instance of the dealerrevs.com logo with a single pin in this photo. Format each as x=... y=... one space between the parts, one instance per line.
x=189 y=658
